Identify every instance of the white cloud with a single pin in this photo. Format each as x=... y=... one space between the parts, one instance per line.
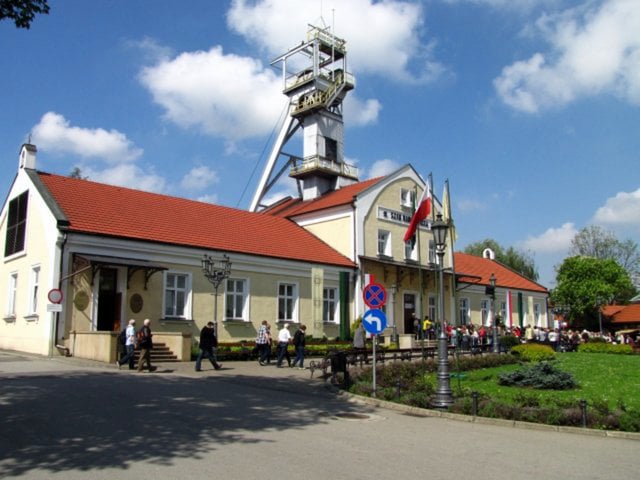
x=358 y=112
x=593 y=51
x=623 y=209
x=221 y=94
x=151 y=50
x=199 y=178
x=470 y=205
x=552 y=240
x=127 y=175
x=55 y=134
x=383 y=38
x=209 y=198
x=381 y=168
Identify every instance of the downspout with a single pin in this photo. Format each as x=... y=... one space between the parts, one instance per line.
x=54 y=327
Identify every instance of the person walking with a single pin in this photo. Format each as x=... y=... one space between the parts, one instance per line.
x=146 y=345
x=208 y=344
x=284 y=338
x=130 y=346
x=299 y=341
x=263 y=342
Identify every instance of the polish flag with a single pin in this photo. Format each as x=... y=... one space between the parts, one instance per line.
x=422 y=212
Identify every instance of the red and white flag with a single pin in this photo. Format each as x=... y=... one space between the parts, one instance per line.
x=422 y=212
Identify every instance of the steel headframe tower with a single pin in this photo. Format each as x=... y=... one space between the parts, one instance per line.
x=316 y=93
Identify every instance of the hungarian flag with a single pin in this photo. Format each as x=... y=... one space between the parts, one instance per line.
x=422 y=212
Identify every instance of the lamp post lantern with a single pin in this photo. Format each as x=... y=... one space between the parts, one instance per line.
x=444 y=396
x=216 y=272
x=494 y=324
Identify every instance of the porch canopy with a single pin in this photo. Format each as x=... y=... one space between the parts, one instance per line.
x=96 y=262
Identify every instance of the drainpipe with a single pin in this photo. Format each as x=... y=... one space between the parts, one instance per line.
x=62 y=240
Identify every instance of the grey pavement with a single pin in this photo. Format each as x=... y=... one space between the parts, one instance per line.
x=70 y=418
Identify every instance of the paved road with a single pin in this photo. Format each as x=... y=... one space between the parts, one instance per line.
x=73 y=419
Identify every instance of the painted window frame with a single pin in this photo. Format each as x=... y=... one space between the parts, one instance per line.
x=485 y=309
x=188 y=294
x=293 y=299
x=12 y=295
x=537 y=314
x=464 y=310
x=233 y=295
x=407 y=197
x=411 y=251
x=15 y=241
x=384 y=243
x=327 y=303
x=432 y=307
x=34 y=290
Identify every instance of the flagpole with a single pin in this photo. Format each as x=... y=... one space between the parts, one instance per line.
x=420 y=296
x=452 y=240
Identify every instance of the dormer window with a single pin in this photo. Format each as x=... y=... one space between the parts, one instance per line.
x=16 y=225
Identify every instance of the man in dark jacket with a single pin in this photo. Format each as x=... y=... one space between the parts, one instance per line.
x=299 y=340
x=208 y=342
x=146 y=345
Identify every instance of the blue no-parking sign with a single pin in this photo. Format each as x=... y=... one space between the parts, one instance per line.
x=374 y=321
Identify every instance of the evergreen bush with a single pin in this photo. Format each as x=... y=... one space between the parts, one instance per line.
x=533 y=352
x=543 y=375
x=593 y=347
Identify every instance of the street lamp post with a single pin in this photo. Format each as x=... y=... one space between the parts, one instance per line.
x=216 y=272
x=443 y=397
x=492 y=282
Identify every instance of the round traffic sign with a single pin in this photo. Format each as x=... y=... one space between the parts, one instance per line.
x=374 y=321
x=55 y=295
x=374 y=295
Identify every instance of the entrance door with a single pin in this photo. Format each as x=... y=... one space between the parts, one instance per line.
x=409 y=305
x=108 y=300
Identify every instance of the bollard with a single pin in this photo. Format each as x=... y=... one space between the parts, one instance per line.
x=583 y=409
x=474 y=403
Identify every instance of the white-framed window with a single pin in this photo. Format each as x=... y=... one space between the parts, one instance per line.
x=537 y=314
x=177 y=295
x=463 y=310
x=384 y=243
x=432 y=251
x=236 y=299
x=287 y=302
x=12 y=294
x=16 y=224
x=432 y=308
x=407 y=197
x=410 y=251
x=485 y=312
x=330 y=304
x=503 y=312
x=34 y=287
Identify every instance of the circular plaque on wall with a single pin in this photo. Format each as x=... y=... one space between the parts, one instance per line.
x=81 y=300
x=136 y=303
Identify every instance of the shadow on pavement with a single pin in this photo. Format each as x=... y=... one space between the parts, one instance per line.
x=85 y=421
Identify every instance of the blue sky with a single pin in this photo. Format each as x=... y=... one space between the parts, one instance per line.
x=531 y=108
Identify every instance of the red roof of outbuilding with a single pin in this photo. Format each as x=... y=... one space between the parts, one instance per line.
x=100 y=209
x=343 y=196
x=623 y=313
x=472 y=269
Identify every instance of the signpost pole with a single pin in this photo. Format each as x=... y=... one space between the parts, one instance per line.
x=373 y=393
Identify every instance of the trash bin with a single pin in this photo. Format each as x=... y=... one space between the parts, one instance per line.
x=338 y=361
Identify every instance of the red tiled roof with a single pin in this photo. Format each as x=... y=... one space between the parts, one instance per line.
x=472 y=269
x=625 y=314
x=100 y=209
x=343 y=196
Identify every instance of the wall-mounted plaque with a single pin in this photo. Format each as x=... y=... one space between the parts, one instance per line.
x=136 y=303
x=81 y=300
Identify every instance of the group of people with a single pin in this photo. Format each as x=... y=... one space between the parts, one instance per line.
x=137 y=338
x=264 y=343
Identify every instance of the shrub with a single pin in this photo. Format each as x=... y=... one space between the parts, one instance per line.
x=509 y=341
x=534 y=352
x=598 y=347
x=543 y=375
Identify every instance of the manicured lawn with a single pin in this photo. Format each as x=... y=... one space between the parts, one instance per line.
x=603 y=379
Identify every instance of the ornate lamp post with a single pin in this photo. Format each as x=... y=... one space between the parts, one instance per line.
x=492 y=282
x=444 y=396
x=216 y=272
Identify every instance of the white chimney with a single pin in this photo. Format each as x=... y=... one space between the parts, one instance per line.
x=28 y=156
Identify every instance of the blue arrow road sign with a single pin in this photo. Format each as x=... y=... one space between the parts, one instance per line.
x=374 y=321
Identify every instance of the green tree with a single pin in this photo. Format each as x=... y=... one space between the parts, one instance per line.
x=22 y=12
x=586 y=283
x=520 y=262
x=77 y=173
x=594 y=241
